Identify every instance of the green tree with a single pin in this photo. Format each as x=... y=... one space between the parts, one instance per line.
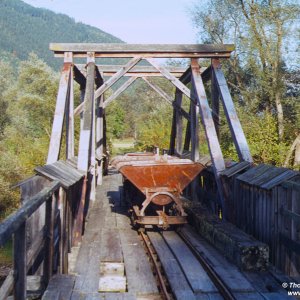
x=30 y=104
x=258 y=71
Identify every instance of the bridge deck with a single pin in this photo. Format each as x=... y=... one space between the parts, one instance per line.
x=109 y=238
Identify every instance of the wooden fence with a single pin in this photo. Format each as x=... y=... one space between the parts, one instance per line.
x=263 y=201
x=49 y=222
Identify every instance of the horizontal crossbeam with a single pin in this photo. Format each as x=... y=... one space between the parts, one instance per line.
x=136 y=71
x=145 y=50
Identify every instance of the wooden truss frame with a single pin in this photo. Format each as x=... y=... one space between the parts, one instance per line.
x=92 y=108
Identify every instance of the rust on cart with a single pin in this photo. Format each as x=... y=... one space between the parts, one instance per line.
x=161 y=179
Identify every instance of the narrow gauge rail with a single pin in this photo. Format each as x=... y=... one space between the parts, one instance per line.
x=162 y=253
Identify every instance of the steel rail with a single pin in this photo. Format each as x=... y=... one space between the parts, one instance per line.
x=215 y=278
x=160 y=277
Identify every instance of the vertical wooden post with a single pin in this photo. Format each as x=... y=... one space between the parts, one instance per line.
x=63 y=246
x=237 y=132
x=173 y=133
x=99 y=129
x=84 y=155
x=215 y=103
x=20 y=263
x=194 y=114
x=99 y=137
x=49 y=224
x=57 y=127
x=210 y=130
x=179 y=130
x=187 y=138
x=70 y=113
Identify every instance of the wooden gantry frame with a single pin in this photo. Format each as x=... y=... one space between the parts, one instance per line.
x=92 y=107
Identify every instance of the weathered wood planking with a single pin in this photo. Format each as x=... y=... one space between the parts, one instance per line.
x=62 y=172
x=229 y=273
x=138 y=271
x=194 y=272
x=57 y=127
x=261 y=199
x=179 y=285
x=78 y=295
x=146 y=50
x=60 y=287
x=111 y=246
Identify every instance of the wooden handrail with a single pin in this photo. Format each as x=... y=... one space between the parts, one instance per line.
x=10 y=225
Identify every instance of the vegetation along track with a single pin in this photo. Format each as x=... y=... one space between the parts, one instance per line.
x=182 y=272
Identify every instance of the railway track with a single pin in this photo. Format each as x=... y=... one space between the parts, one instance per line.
x=182 y=271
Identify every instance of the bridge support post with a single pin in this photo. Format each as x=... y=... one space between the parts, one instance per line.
x=99 y=130
x=236 y=130
x=210 y=130
x=69 y=114
x=57 y=127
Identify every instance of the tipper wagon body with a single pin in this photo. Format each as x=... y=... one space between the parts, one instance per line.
x=153 y=185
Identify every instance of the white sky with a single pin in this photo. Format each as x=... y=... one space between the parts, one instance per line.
x=133 y=21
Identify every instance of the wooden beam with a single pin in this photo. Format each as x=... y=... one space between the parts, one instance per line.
x=79 y=77
x=194 y=131
x=104 y=87
x=150 y=50
x=100 y=137
x=20 y=263
x=178 y=84
x=179 y=124
x=119 y=91
x=215 y=103
x=86 y=131
x=109 y=70
x=187 y=138
x=165 y=96
x=235 y=126
x=99 y=128
x=209 y=128
x=185 y=78
x=49 y=241
x=173 y=134
x=206 y=74
x=69 y=117
x=57 y=127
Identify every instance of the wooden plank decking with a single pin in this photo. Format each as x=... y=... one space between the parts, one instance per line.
x=108 y=238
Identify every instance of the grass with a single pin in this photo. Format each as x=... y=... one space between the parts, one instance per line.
x=123 y=146
x=6 y=254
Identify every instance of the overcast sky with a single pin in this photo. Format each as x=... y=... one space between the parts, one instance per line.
x=133 y=21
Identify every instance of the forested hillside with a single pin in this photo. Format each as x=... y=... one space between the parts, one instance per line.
x=25 y=29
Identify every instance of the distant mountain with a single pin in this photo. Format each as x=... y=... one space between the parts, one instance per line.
x=25 y=29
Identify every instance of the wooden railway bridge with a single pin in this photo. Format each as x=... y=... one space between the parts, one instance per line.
x=70 y=208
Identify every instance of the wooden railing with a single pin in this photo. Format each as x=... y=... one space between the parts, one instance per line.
x=15 y=226
x=46 y=226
